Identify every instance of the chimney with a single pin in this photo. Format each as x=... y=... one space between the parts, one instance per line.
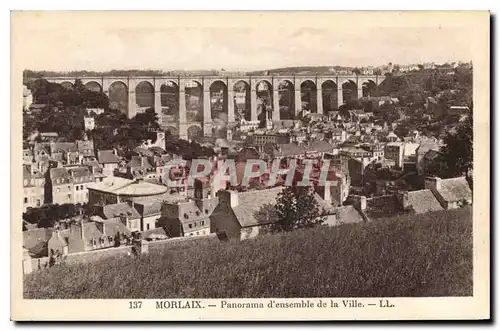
x=359 y=202
x=327 y=195
x=229 y=196
x=433 y=183
x=403 y=200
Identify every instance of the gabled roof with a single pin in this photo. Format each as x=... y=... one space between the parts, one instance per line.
x=63 y=147
x=423 y=201
x=139 y=162
x=123 y=186
x=320 y=146
x=152 y=207
x=249 y=203
x=33 y=237
x=143 y=151
x=80 y=172
x=115 y=210
x=107 y=156
x=289 y=150
x=455 y=189
x=60 y=173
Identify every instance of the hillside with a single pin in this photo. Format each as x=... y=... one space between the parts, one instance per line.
x=414 y=255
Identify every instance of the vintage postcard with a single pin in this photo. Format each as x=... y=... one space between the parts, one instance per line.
x=201 y=166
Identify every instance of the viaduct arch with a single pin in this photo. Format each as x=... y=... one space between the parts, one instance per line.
x=239 y=97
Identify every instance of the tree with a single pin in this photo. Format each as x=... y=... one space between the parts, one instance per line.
x=117 y=239
x=458 y=151
x=296 y=208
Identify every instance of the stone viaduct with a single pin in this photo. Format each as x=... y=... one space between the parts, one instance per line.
x=336 y=84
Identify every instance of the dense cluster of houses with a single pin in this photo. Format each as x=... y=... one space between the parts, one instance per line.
x=128 y=195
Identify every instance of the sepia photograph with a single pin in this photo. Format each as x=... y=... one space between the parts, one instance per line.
x=257 y=160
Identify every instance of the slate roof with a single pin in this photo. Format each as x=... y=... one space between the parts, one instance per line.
x=290 y=149
x=148 y=208
x=155 y=231
x=140 y=162
x=165 y=197
x=320 y=146
x=81 y=172
x=157 y=150
x=251 y=202
x=124 y=186
x=85 y=147
x=33 y=237
x=115 y=210
x=455 y=189
x=144 y=151
x=63 y=147
x=423 y=201
x=60 y=173
x=107 y=156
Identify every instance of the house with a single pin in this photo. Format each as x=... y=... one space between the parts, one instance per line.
x=423 y=201
x=395 y=151
x=237 y=213
x=451 y=193
x=149 y=210
x=48 y=136
x=338 y=135
x=33 y=187
x=87 y=235
x=358 y=115
x=97 y=111
x=422 y=150
x=289 y=150
x=65 y=153
x=344 y=215
x=27 y=156
x=109 y=161
x=88 y=123
x=190 y=217
x=334 y=115
x=140 y=167
x=317 y=148
x=35 y=241
x=60 y=186
x=81 y=177
x=125 y=212
x=85 y=149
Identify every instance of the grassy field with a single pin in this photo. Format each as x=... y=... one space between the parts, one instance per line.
x=414 y=255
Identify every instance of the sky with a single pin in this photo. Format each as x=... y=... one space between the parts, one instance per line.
x=68 y=44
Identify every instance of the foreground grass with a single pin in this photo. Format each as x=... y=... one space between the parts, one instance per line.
x=414 y=255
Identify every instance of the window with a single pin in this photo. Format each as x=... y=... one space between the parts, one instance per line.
x=77 y=187
x=197 y=233
x=58 y=189
x=147 y=226
x=69 y=196
x=25 y=182
x=190 y=226
x=202 y=223
x=81 y=187
x=25 y=200
x=194 y=223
